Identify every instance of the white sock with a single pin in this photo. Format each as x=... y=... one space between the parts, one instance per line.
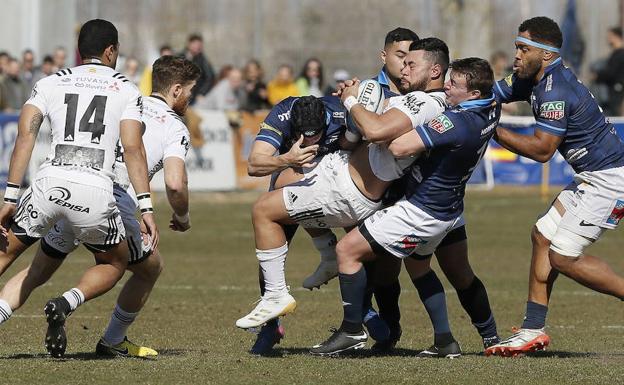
x=5 y=311
x=74 y=297
x=118 y=326
x=272 y=263
x=326 y=246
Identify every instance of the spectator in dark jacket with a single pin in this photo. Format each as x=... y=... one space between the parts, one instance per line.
x=195 y=52
x=612 y=75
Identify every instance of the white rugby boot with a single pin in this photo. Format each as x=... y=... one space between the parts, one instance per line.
x=522 y=341
x=269 y=307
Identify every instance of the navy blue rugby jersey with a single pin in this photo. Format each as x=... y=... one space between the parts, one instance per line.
x=455 y=141
x=563 y=106
x=277 y=129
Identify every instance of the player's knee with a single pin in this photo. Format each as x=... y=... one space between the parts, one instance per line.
x=261 y=208
x=565 y=246
x=151 y=268
x=345 y=250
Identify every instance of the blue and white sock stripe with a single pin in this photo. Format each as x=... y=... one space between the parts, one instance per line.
x=4 y=315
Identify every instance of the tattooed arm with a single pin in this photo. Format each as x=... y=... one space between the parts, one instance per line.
x=28 y=127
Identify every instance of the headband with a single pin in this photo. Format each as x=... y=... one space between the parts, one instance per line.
x=536 y=44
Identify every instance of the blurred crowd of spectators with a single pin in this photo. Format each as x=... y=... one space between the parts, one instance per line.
x=246 y=89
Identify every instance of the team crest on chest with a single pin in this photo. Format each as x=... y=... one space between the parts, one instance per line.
x=441 y=124
x=552 y=110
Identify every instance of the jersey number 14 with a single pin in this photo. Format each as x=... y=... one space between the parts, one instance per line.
x=95 y=110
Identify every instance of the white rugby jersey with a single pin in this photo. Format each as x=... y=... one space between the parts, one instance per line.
x=420 y=107
x=85 y=106
x=165 y=136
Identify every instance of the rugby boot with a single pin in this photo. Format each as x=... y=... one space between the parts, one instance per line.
x=56 y=310
x=268 y=308
x=269 y=336
x=451 y=350
x=125 y=348
x=340 y=341
x=522 y=341
x=376 y=326
x=326 y=271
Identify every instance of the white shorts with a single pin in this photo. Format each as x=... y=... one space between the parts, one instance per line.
x=594 y=198
x=327 y=197
x=90 y=211
x=593 y=203
x=63 y=241
x=405 y=230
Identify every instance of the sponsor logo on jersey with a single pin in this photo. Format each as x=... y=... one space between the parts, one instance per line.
x=60 y=196
x=114 y=87
x=549 y=83
x=575 y=154
x=34 y=92
x=441 y=124
x=552 y=110
x=617 y=213
x=284 y=116
x=412 y=102
x=509 y=80
x=66 y=80
x=338 y=115
x=186 y=143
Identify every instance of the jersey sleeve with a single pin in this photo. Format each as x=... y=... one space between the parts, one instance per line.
x=440 y=131
x=178 y=141
x=417 y=106
x=554 y=109
x=134 y=106
x=38 y=97
x=512 y=89
x=275 y=127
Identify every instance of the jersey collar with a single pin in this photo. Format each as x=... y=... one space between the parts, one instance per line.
x=551 y=67
x=382 y=78
x=476 y=103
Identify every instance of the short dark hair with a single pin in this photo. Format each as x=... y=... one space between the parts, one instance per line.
x=165 y=47
x=307 y=116
x=616 y=31
x=436 y=50
x=478 y=73
x=400 y=34
x=95 y=36
x=170 y=70
x=543 y=30
x=195 y=36
x=48 y=59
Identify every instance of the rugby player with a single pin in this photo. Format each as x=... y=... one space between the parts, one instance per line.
x=569 y=120
x=295 y=133
x=339 y=192
x=90 y=108
x=433 y=204
x=166 y=141
x=452 y=253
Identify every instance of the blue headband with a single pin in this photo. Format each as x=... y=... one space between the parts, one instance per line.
x=536 y=44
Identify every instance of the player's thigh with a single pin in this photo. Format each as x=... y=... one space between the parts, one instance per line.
x=270 y=206
x=149 y=268
x=286 y=177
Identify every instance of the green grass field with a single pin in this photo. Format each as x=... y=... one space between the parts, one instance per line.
x=210 y=280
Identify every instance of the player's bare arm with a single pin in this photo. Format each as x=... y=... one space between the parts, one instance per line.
x=408 y=144
x=540 y=146
x=134 y=157
x=376 y=128
x=176 y=184
x=28 y=127
x=262 y=160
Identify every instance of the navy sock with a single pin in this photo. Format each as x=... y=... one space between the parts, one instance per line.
x=474 y=300
x=352 y=288
x=368 y=293
x=431 y=294
x=387 y=297
x=535 y=316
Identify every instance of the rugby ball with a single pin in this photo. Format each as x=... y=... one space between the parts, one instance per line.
x=371 y=96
